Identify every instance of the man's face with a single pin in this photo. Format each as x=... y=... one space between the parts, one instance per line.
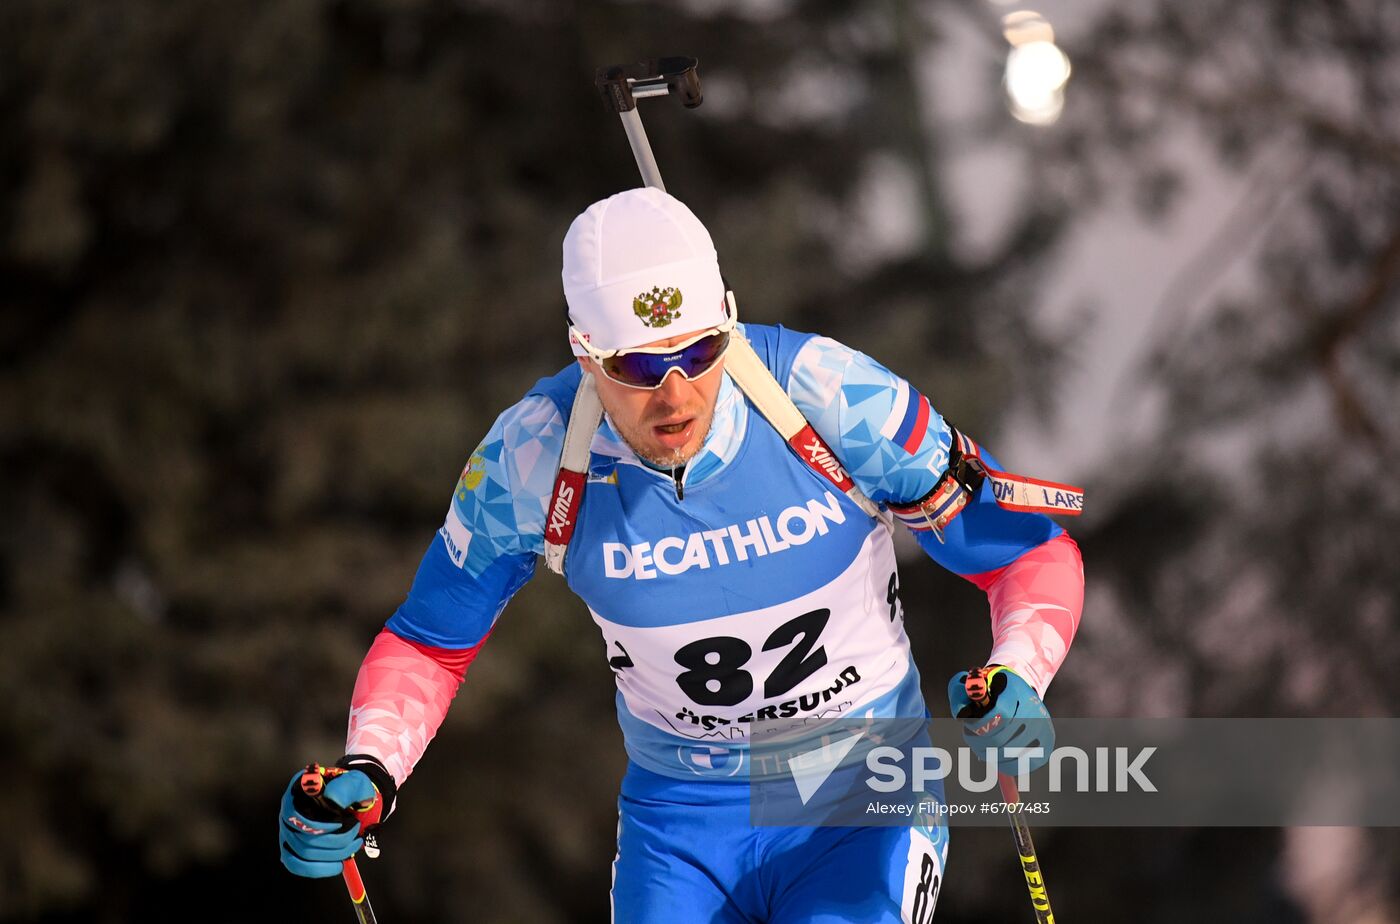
x=666 y=426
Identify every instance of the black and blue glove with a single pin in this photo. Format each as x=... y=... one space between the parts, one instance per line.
x=325 y=814
x=1000 y=710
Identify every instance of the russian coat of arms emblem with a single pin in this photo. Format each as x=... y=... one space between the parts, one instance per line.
x=658 y=307
x=472 y=474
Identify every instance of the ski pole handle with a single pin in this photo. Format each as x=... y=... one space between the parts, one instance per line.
x=976 y=686
x=313 y=784
x=623 y=84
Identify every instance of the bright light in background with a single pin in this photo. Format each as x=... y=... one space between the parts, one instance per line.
x=1036 y=69
x=1035 y=82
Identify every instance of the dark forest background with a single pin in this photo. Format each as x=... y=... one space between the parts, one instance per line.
x=269 y=270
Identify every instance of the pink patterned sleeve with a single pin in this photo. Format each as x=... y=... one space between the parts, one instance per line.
x=1036 y=603
x=401 y=696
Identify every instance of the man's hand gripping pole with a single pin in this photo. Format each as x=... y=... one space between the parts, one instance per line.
x=313 y=784
x=979 y=692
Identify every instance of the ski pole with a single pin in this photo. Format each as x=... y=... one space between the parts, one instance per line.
x=1025 y=849
x=623 y=84
x=976 y=686
x=313 y=783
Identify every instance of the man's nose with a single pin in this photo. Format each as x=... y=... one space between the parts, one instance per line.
x=674 y=387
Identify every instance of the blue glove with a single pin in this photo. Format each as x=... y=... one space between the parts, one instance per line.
x=318 y=834
x=1000 y=710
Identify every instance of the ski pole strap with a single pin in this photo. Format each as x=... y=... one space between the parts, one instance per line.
x=564 y=502
x=963 y=479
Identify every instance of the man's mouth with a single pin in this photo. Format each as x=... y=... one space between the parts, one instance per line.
x=674 y=435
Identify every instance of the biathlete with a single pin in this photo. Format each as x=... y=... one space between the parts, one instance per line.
x=722 y=496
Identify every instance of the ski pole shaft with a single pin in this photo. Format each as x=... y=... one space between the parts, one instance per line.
x=364 y=913
x=313 y=783
x=1025 y=849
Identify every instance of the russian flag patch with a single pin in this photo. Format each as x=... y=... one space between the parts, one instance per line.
x=908 y=420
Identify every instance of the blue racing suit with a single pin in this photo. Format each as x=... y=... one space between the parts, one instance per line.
x=763 y=595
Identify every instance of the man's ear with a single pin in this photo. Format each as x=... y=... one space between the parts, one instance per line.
x=583 y=364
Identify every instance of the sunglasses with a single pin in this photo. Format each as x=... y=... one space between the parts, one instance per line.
x=647 y=367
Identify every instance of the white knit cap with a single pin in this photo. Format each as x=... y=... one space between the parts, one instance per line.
x=638 y=267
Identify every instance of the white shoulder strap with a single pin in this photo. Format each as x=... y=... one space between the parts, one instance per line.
x=573 y=473
x=772 y=401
